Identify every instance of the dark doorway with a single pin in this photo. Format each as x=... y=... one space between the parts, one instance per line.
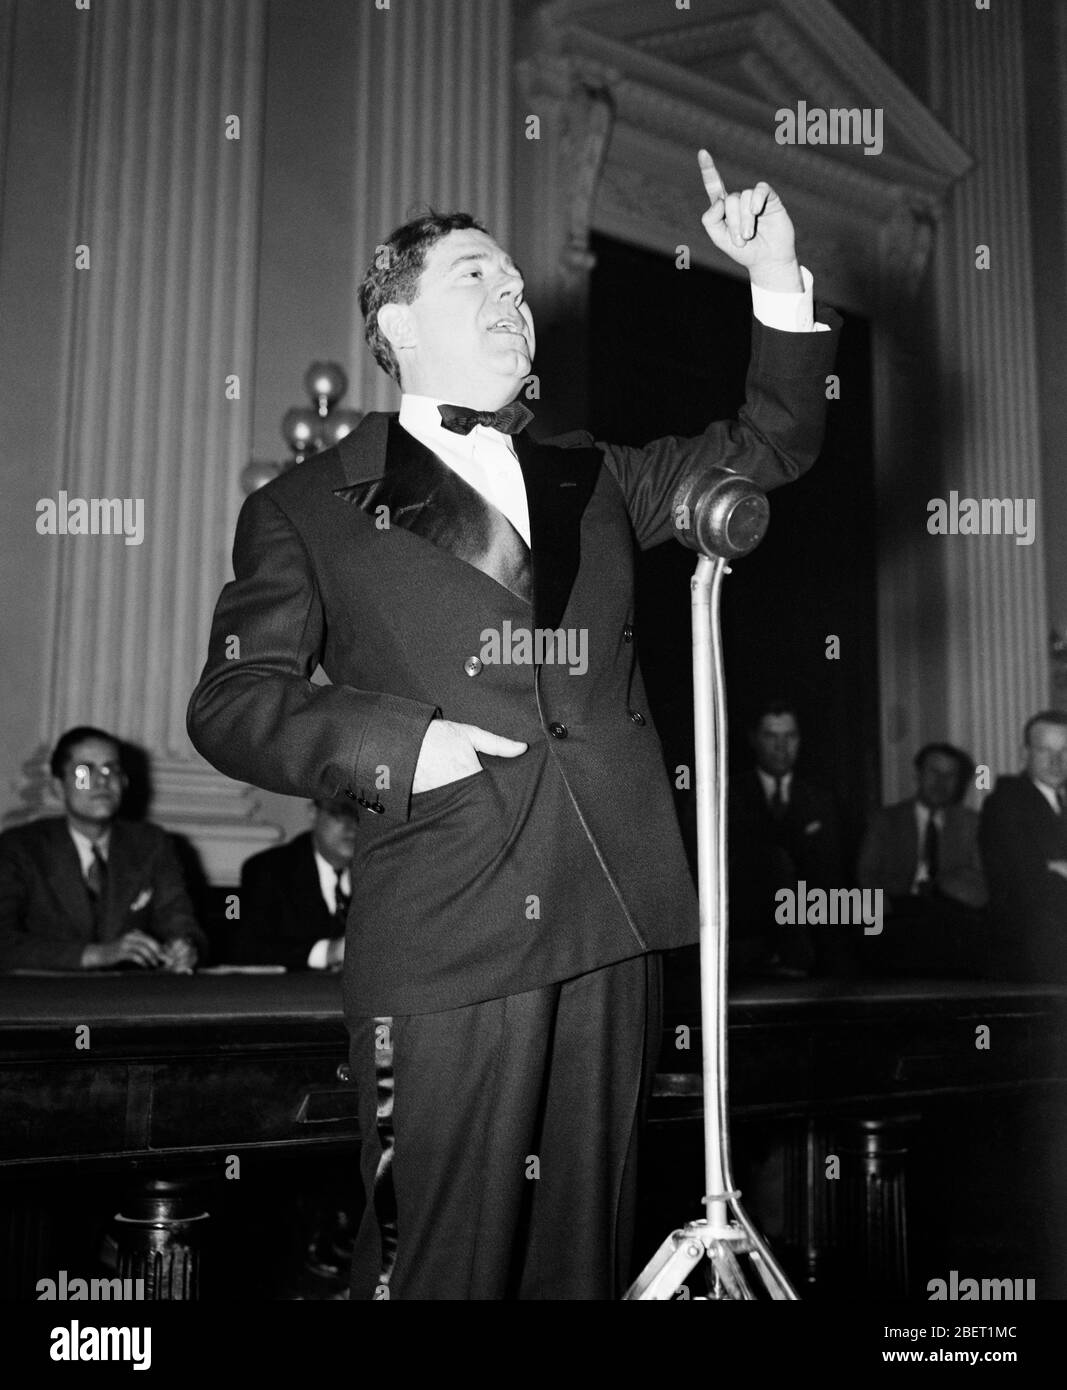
x=669 y=353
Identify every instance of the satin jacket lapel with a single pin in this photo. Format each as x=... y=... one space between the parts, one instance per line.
x=429 y=499
x=559 y=484
x=65 y=872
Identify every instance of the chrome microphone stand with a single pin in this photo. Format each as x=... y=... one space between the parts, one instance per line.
x=722 y=520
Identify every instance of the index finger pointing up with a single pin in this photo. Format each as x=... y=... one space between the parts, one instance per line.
x=713 y=184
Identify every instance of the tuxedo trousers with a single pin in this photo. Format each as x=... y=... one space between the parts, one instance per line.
x=499 y=1141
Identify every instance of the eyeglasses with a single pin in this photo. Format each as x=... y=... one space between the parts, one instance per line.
x=86 y=773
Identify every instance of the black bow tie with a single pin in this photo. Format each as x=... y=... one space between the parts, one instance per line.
x=461 y=420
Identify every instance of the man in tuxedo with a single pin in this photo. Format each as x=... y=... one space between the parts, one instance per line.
x=87 y=890
x=518 y=857
x=1022 y=835
x=782 y=829
x=923 y=854
x=294 y=899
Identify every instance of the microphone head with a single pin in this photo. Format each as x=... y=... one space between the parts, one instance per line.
x=720 y=514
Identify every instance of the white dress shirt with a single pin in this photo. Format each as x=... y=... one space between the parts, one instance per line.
x=1049 y=793
x=769 y=783
x=922 y=818
x=317 y=956
x=486 y=459
x=84 y=846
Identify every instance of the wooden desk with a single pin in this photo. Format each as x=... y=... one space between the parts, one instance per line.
x=832 y=1046
x=177 y=1067
x=180 y=1073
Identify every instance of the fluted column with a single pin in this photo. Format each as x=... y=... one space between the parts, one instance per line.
x=156 y=383
x=997 y=660
x=433 y=128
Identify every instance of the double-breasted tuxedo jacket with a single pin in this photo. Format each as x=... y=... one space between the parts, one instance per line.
x=378 y=562
x=46 y=918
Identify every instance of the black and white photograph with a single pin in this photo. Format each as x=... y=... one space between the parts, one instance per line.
x=533 y=710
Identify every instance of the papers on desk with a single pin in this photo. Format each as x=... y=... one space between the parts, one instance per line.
x=243 y=970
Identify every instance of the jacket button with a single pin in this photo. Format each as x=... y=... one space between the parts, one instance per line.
x=636 y=716
x=558 y=730
x=374 y=806
x=627 y=633
x=472 y=665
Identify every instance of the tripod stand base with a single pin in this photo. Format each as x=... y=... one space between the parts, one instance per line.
x=727 y=1249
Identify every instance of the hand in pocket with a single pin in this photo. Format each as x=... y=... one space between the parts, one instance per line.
x=450 y=751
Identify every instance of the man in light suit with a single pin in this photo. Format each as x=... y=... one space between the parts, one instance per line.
x=518 y=858
x=87 y=890
x=294 y=898
x=1023 y=840
x=926 y=847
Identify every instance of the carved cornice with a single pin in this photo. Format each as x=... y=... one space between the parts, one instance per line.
x=600 y=61
x=581 y=94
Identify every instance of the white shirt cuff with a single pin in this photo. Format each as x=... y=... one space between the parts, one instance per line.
x=791 y=311
x=318 y=956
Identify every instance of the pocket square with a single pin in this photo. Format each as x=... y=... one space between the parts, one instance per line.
x=143 y=898
x=813 y=827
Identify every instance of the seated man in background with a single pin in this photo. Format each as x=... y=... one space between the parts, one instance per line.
x=294 y=899
x=87 y=890
x=923 y=854
x=1023 y=841
x=782 y=830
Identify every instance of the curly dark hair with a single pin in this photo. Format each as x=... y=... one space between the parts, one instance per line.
x=61 y=753
x=393 y=275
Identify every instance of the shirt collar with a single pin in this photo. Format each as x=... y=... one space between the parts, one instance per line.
x=769 y=781
x=1049 y=793
x=328 y=874
x=85 y=846
x=419 y=416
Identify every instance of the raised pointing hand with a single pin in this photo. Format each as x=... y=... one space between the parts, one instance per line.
x=752 y=228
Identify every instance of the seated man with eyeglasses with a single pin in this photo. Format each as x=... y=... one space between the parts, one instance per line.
x=87 y=890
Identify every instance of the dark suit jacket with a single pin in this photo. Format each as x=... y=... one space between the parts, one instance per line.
x=1018 y=834
x=766 y=855
x=540 y=867
x=283 y=912
x=889 y=856
x=45 y=914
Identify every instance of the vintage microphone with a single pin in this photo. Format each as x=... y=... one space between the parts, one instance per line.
x=722 y=516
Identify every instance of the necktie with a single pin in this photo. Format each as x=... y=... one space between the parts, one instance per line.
x=777 y=802
x=96 y=882
x=931 y=848
x=511 y=419
x=341 y=901
x=1061 y=798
